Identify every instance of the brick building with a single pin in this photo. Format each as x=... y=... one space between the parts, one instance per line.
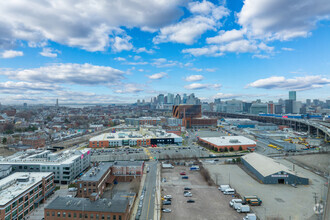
x=35 y=142
x=22 y=192
x=66 y=208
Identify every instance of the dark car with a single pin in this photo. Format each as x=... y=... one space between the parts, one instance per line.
x=190 y=201
x=185 y=177
x=167 y=203
x=187 y=188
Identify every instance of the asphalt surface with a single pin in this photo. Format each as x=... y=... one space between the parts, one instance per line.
x=149 y=197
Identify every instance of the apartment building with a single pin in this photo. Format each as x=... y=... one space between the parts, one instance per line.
x=22 y=192
x=66 y=165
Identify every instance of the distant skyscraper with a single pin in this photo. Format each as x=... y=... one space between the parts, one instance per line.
x=177 y=99
x=316 y=102
x=292 y=95
x=184 y=98
x=280 y=102
x=25 y=105
x=308 y=102
x=161 y=98
x=170 y=98
x=56 y=103
x=288 y=106
x=217 y=101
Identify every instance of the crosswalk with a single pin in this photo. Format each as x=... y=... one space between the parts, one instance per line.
x=147 y=152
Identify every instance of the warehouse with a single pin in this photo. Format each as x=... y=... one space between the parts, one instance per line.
x=227 y=142
x=269 y=171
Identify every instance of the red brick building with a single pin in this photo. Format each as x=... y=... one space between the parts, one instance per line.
x=228 y=142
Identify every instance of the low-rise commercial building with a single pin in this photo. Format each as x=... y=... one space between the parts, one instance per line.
x=134 y=138
x=228 y=142
x=22 y=192
x=269 y=171
x=83 y=208
x=66 y=165
x=35 y=142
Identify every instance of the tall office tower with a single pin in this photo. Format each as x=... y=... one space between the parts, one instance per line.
x=191 y=99
x=170 y=98
x=161 y=98
x=281 y=102
x=177 y=99
x=316 y=102
x=184 y=98
x=56 y=103
x=308 y=102
x=288 y=106
x=217 y=101
x=292 y=95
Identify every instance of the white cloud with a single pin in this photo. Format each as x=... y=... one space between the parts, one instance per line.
x=11 y=54
x=212 y=50
x=205 y=17
x=157 y=75
x=197 y=86
x=226 y=36
x=119 y=58
x=280 y=19
x=226 y=95
x=48 y=52
x=261 y=56
x=287 y=49
x=137 y=57
x=162 y=62
x=83 y=74
x=82 y=24
x=121 y=43
x=201 y=69
x=240 y=46
x=129 y=88
x=193 y=78
x=144 y=50
x=23 y=87
x=297 y=83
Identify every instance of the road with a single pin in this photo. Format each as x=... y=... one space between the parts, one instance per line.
x=149 y=198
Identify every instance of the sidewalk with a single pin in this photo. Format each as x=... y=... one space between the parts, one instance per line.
x=136 y=203
x=157 y=212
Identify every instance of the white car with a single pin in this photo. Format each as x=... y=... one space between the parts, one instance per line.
x=167 y=210
x=168 y=197
x=188 y=194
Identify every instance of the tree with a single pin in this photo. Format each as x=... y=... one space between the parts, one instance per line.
x=226 y=149
x=238 y=160
x=231 y=149
x=4 y=140
x=240 y=148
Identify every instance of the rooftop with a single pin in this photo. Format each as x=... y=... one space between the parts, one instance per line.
x=17 y=183
x=84 y=204
x=264 y=165
x=95 y=173
x=229 y=140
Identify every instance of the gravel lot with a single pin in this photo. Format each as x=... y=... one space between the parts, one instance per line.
x=317 y=161
x=278 y=201
x=210 y=203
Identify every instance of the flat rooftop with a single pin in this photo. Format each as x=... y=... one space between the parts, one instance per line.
x=96 y=172
x=229 y=140
x=265 y=165
x=79 y=204
x=13 y=185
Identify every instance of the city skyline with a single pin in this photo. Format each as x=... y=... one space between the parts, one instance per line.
x=137 y=51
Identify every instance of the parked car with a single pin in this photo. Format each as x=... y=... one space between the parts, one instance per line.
x=188 y=194
x=167 y=202
x=167 y=210
x=164 y=180
x=190 y=201
x=187 y=188
x=250 y=216
x=223 y=187
x=183 y=173
x=231 y=203
x=244 y=208
x=185 y=177
x=168 y=197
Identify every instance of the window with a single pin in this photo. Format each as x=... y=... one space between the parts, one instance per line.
x=92 y=216
x=63 y=214
x=69 y=214
x=86 y=215
x=8 y=209
x=80 y=215
x=119 y=217
x=14 y=213
x=31 y=208
x=20 y=217
x=47 y=213
x=14 y=204
x=26 y=204
x=58 y=214
x=31 y=192
x=75 y=215
x=20 y=200
x=114 y=217
x=97 y=216
x=8 y=217
x=102 y=217
x=26 y=212
x=20 y=208
x=26 y=198
x=108 y=217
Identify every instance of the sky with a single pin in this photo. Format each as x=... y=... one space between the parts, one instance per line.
x=118 y=51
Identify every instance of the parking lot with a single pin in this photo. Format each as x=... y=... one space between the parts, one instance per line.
x=278 y=201
x=163 y=152
x=210 y=203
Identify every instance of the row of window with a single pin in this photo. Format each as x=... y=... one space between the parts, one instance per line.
x=14 y=213
x=86 y=215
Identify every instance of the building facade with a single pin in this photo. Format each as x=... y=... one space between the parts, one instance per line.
x=22 y=192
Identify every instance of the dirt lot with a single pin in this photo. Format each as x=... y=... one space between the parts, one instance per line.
x=210 y=203
x=318 y=161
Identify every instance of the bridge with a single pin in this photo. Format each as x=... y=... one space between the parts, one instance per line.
x=318 y=128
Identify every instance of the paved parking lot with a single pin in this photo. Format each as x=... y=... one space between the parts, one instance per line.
x=278 y=201
x=210 y=203
x=164 y=152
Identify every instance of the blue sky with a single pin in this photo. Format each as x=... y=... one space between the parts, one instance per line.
x=121 y=51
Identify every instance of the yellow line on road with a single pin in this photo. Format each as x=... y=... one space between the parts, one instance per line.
x=148 y=206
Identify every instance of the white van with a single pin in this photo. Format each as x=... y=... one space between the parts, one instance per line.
x=237 y=205
x=231 y=203
x=222 y=188
x=229 y=191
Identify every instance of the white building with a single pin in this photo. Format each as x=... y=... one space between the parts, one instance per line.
x=66 y=165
